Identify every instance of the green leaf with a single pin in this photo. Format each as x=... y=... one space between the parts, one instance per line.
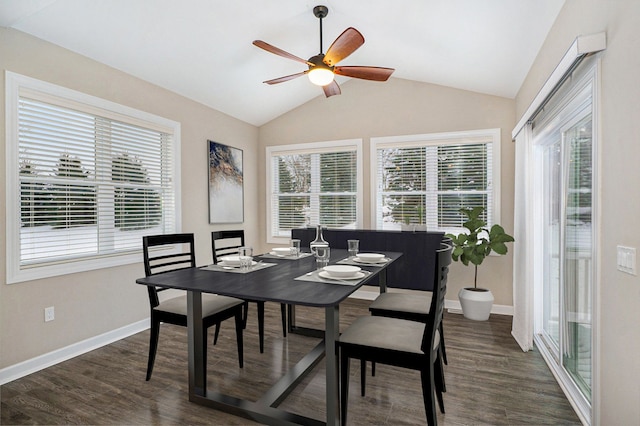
x=499 y=248
x=474 y=225
x=497 y=234
x=476 y=212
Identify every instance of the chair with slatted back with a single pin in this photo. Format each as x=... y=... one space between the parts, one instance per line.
x=412 y=306
x=164 y=253
x=228 y=242
x=401 y=343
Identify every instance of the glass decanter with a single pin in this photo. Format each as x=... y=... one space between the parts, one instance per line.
x=319 y=241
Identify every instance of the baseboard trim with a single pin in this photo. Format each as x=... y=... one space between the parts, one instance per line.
x=41 y=362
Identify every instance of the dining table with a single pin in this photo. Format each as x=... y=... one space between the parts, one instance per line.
x=292 y=280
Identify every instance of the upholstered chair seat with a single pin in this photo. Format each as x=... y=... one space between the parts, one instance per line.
x=403 y=302
x=211 y=304
x=387 y=333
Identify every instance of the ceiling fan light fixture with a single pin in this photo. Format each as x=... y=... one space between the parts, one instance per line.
x=320 y=76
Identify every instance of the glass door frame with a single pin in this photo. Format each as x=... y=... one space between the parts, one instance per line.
x=586 y=76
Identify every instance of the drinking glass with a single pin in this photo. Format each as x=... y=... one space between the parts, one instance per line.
x=246 y=257
x=353 y=247
x=295 y=247
x=322 y=254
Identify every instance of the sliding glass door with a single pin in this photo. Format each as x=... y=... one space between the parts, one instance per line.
x=567 y=232
x=578 y=254
x=564 y=145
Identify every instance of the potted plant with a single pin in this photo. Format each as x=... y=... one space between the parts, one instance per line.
x=473 y=247
x=413 y=221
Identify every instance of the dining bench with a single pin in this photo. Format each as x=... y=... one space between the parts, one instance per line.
x=414 y=270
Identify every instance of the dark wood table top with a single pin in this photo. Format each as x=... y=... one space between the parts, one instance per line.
x=275 y=283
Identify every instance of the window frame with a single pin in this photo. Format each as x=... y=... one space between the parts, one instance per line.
x=311 y=148
x=438 y=139
x=17 y=85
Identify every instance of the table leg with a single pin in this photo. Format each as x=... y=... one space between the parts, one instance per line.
x=332 y=332
x=197 y=363
x=382 y=280
x=291 y=318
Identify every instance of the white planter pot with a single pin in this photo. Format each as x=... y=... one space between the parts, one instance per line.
x=412 y=227
x=476 y=303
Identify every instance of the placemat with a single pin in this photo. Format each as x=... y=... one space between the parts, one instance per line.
x=314 y=277
x=275 y=256
x=237 y=270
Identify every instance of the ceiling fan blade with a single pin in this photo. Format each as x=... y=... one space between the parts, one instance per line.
x=343 y=46
x=272 y=49
x=285 y=78
x=365 y=73
x=331 y=89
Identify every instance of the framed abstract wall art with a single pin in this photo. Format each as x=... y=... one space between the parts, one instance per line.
x=226 y=191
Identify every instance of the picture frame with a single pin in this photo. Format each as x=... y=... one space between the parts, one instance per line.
x=226 y=183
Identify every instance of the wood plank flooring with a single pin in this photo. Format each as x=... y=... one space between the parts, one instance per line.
x=489 y=380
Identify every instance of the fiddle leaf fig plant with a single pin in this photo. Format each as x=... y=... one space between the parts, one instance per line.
x=474 y=246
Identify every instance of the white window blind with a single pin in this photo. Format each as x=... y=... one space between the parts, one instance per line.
x=426 y=179
x=90 y=185
x=311 y=185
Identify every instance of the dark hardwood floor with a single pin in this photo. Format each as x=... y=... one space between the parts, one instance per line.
x=489 y=380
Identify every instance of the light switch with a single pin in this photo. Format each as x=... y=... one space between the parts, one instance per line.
x=627 y=260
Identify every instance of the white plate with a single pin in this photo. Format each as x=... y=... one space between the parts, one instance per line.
x=370 y=257
x=365 y=262
x=234 y=264
x=273 y=253
x=341 y=271
x=355 y=276
x=281 y=251
x=231 y=260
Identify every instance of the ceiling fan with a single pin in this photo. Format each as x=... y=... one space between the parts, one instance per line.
x=322 y=67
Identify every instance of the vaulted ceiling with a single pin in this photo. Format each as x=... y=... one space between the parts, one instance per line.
x=202 y=49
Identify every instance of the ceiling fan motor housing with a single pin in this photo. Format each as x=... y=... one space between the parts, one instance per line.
x=317 y=62
x=320 y=11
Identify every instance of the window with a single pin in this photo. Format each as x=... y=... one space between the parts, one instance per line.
x=86 y=180
x=423 y=180
x=311 y=184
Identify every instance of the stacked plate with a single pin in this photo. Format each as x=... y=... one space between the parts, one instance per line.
x=281 y=251
x=341 y=272
x=232 y=261
x=370 y=258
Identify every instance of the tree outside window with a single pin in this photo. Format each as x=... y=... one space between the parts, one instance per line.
x=311 y=188
x=136 y=205
x=425 y=180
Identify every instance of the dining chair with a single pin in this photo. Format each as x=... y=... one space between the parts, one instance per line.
x=412 y=306
x=165 y=253
x=401 y=343
x=228 y=242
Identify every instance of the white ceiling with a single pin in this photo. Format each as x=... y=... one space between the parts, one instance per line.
x=202 y=49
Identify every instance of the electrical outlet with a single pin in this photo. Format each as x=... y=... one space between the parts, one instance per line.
x=49 y=314
x=626 y=259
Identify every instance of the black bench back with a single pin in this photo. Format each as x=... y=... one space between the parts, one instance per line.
x=414 y=270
